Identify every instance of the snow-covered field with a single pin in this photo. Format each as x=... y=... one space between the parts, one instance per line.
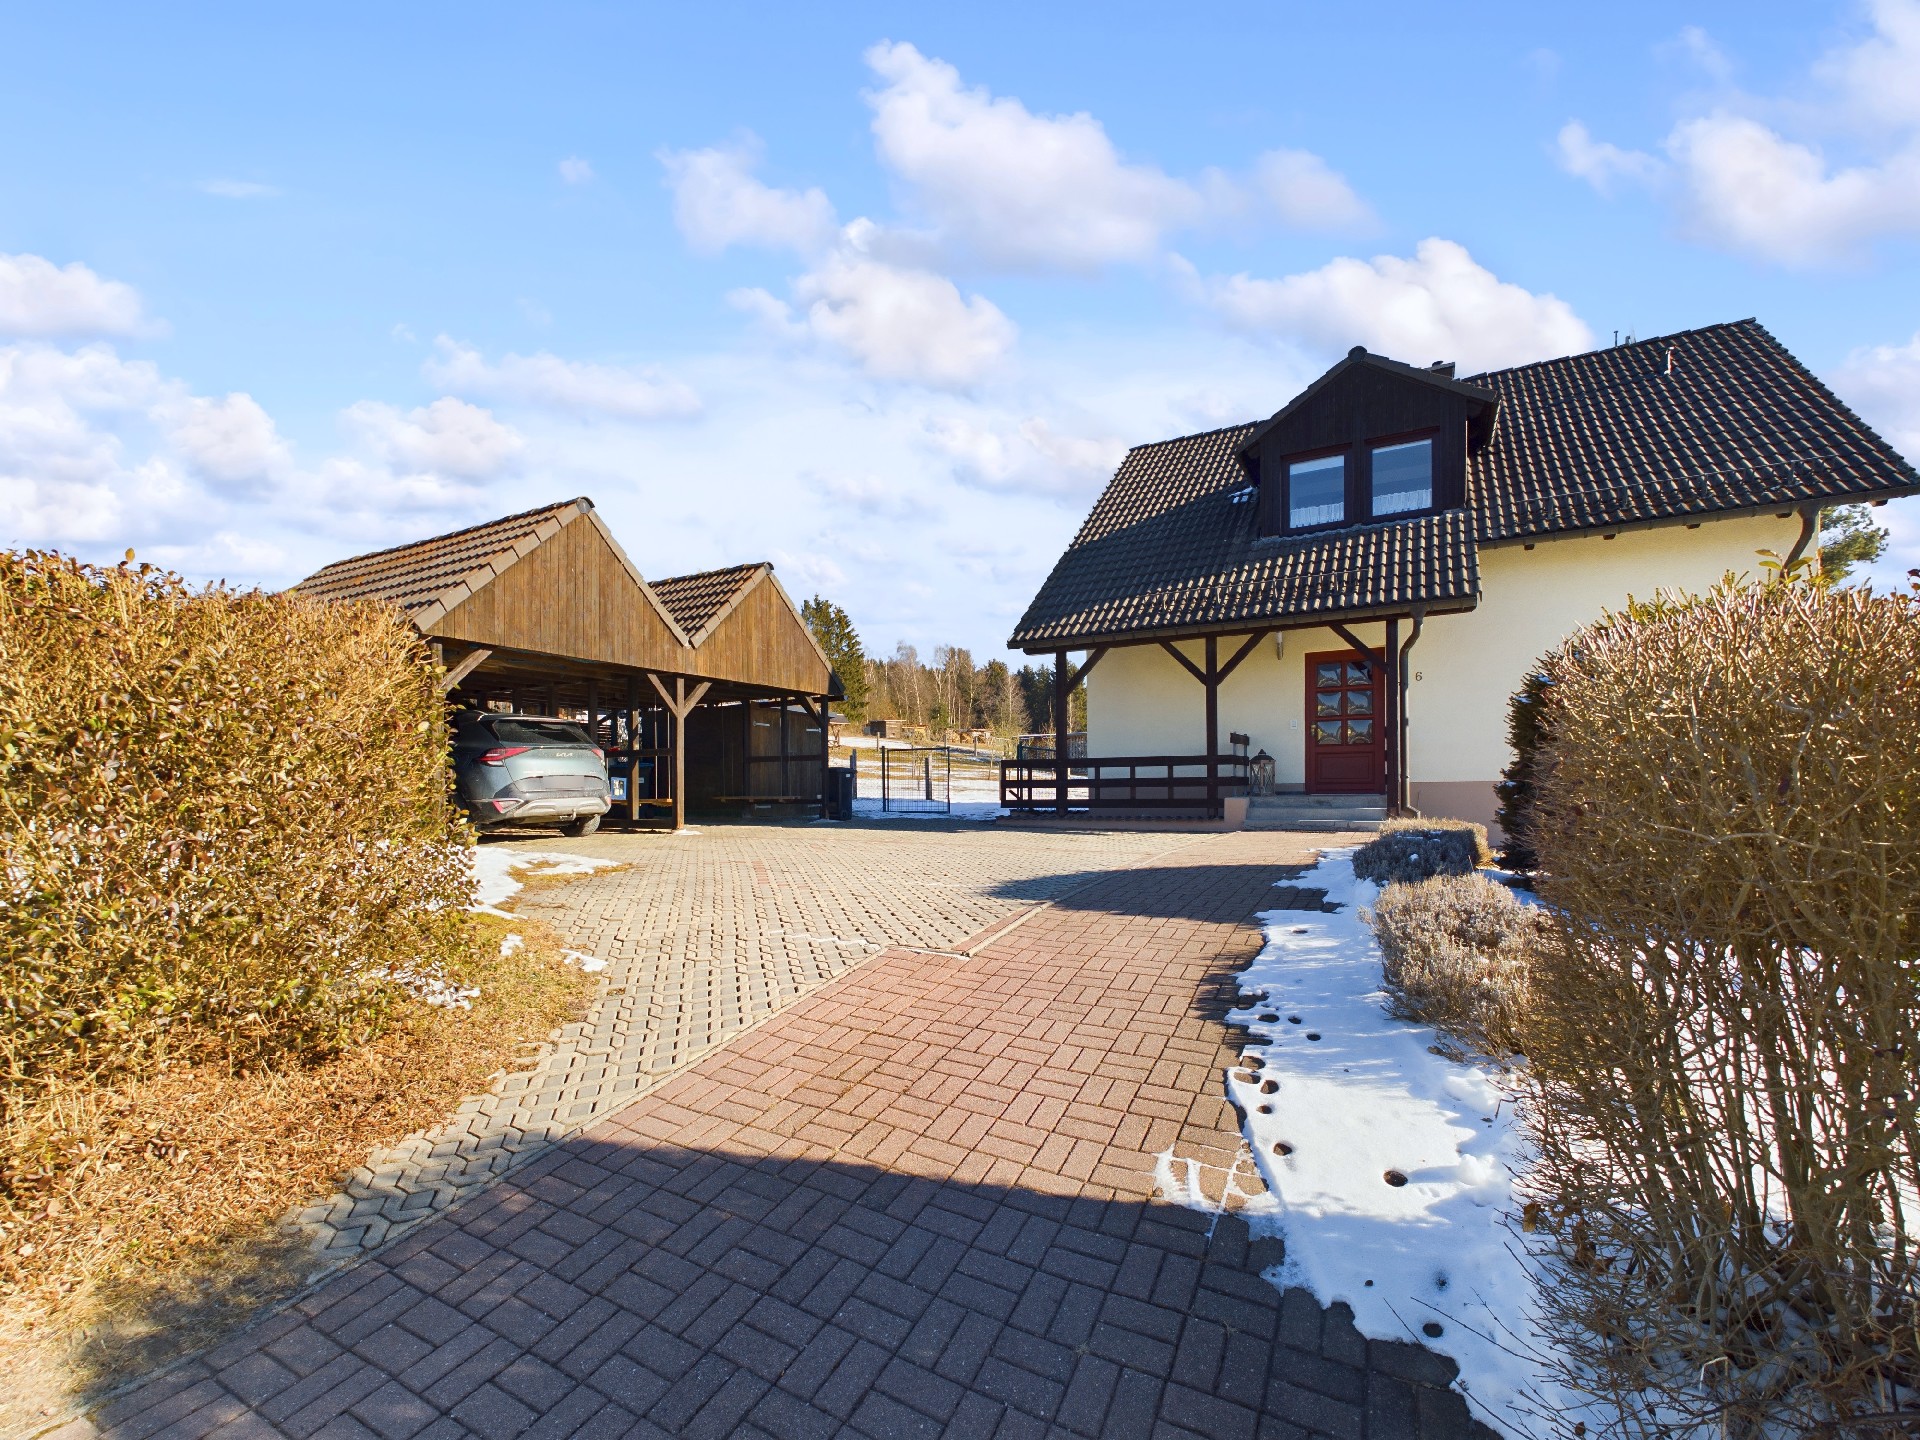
x=975 y=794
x=1391 y=1167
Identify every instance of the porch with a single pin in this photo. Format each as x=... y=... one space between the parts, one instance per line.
x=1337 y=727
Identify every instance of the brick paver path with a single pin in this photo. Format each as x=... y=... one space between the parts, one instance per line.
x=920 y=1201
x=705 y=935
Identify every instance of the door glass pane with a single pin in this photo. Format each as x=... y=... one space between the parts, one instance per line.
x=1317 y=491
x=1402 y=477
x=1359 y=702
x=1326 y=702
x=1358 y=674
x=1359 y=732
x=1327 y=674
x=1327 y=732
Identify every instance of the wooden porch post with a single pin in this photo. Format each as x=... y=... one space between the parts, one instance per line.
x=1061 y=705
x=1215 y=810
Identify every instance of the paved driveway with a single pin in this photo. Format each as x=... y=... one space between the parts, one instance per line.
x=925 y=1198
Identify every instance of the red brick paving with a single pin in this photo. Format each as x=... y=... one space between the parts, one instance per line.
x=919 y=1202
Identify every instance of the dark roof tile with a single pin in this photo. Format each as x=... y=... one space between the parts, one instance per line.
x=1611 y=438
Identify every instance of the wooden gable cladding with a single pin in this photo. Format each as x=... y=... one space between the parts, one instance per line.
x=573 y=595
x=1364 y=400
x=760 y=639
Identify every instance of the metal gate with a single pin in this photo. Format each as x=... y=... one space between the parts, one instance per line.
x=916 y=780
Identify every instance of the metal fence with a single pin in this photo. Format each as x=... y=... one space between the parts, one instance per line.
x=915 y=780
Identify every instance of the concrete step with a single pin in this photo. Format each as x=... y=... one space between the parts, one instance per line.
x=1316 y=812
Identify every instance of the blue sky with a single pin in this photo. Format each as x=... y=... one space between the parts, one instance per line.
x=878 y=292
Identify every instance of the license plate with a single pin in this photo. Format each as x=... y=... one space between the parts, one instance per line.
x=618 y=787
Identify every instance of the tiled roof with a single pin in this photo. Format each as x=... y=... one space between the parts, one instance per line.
x=696 y=601
x=1171 y=548
x=1615 y=437
x=416 y=577
x=1709 y=420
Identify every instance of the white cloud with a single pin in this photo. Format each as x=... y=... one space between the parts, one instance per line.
x=1307 y=193
x=1027 y=458
x=1877 y=79
x=1601 y=164
x=239 y=189
x=1749 y=190
x=39 y=298
x=1012 y=186
x=1882 y=382
x=1699 y=49
x=718 y=201
x=896 y=322
x=447 y=440
x=1439 y=305
x=65 y=418
x=232 y=443
x=576 y=386
x=1741 y=182
x=904 y=324
x=575 y=171
x=806 y=571
x=873 y=495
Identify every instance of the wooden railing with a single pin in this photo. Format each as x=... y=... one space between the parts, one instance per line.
x=1127 y=782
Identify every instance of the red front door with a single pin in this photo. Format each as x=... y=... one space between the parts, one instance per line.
x=1346 y=750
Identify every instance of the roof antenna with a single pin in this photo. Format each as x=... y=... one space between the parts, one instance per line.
x=1616 y=339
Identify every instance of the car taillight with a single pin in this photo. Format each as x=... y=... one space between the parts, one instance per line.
x=598 y=753
x=498 y=756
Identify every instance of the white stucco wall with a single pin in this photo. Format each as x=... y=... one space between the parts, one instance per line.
x=1139 y=702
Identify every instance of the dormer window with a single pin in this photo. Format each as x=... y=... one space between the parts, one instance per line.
x=1402 y=477
x=1316 y=492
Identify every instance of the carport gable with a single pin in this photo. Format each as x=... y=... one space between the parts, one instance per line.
x=551 y=581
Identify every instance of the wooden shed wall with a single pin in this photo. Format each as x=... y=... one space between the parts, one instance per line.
x=570 y=597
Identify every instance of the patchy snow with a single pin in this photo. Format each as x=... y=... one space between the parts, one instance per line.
x=494 y=880
x=511 y=945
x=431 y=985
x=1391 y=1167
x=588 y=963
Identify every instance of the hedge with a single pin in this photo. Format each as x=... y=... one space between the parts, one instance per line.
x=225 y=821
x=1725 y=1028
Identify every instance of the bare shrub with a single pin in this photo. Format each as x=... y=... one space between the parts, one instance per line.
x=1408 y=850
x=1725 y=1031
x=224 y=820
x=1456 y=950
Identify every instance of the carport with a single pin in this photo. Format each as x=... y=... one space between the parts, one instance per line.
x=708 y=688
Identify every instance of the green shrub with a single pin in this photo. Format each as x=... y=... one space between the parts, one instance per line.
x=224 y=820
x=1456 y=951
x=1723 y=1034
x=1408 y=850
x=1525 y=711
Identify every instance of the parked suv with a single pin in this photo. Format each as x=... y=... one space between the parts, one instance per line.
x=528 y=770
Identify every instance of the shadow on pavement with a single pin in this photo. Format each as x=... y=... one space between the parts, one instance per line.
x=614 y=1290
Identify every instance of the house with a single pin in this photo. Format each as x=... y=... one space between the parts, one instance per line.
x=1360 y=582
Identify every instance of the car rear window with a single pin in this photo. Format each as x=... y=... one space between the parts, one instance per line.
x=517 y=730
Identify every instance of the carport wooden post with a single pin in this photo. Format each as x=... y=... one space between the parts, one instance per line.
x=826 y=756
x=786 y=719
x=679 y=704
x=633 y=749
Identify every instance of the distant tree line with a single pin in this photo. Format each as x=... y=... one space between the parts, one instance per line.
x=951 y=693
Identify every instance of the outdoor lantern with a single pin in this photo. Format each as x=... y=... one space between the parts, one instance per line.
x=1260 y=774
